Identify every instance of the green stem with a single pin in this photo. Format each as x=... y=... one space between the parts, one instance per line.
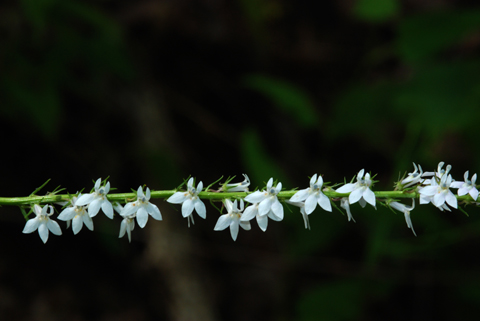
x=214 y=196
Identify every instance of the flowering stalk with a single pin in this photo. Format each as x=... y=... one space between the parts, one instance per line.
x=263 y=204
x=214 y=196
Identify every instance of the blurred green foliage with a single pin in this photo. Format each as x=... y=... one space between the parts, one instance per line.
x=376 y=10
x=62 y=46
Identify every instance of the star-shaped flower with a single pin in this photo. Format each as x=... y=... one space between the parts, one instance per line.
x=467 y=186
x=359 y=191
x=313 y=196
x=439 y=194
x=267 y=200
x=190 y=201
x=42 y=222
x=406 y=210
x=78 y=215
x=97 y=200
x=232 y=219
x=142 y=207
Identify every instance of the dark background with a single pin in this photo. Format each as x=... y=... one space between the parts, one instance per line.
x=149 y=92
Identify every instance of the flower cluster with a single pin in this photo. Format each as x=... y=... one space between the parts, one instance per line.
x=429 y=187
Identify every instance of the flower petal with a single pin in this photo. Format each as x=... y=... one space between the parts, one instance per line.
x=262 y=222
x=355 y=195
x=54 y=227
x=474 y=193
x=256 y=197
x=142 y=217
x=265 y=206
x=94 y=207
x=85 y=199
x=187 y=207
x=87 y=220
x=129 y=209
x=245 y=225
x=369 y=196
x=347 y=188
x=77 y=224
x=178 y=198
x=200 y=208
x=67 y=214
x=234 y=229
x=310 y=203
x=249 y=213
x=43 y=232
x=277 y=208
x=223 y=222
x=324 y=202
x=451 y=199
x=153 y=210
x=123 y=228
x=107 y=208
x=31 y=226
x=300 y=195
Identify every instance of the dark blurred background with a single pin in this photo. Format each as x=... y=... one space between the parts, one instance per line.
x=149 y=92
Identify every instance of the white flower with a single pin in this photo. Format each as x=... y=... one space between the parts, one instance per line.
x=42 y=222
x=413 y=178
x=313 y=195
x=142 y=207
x=267 y=200
x=346 y=205
x=438 y=194
x=467 y=186
x=406 y=210
x=128 y=223
x=78 y=215
x=97 y=200
x=302 y=211
x=239 y=187
x=359 y=191
x=190 y=201
x=232 y=219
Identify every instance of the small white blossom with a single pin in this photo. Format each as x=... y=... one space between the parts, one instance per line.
x=439 y=194
x=413 y=178
x=42 y=222
x=232 y=219
x=467 y=186
x=406 y=210
x=359 y=191
x=346 y=205
x=313 y=196
x=239 y=187
x=190 y=201
x=302 y=211
x=97 y=200
x=142 y=207
x=128 y=223
x=78 y=215
x=267 y=200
